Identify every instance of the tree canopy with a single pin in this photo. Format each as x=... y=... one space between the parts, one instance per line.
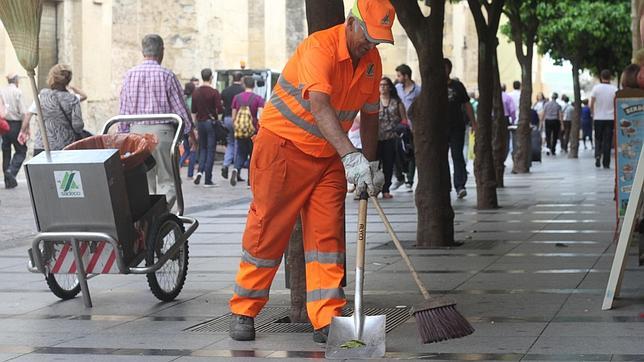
x=593 y=34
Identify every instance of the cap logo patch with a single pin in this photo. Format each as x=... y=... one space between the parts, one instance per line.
x=386 y=20
x=370 y=70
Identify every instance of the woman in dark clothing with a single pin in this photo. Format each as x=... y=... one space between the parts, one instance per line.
x=392 y=113
x=586 y=123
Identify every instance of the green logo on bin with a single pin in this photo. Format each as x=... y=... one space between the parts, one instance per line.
x=68 y=184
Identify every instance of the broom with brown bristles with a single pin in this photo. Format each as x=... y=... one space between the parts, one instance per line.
x=436 y=318
x=21 y=20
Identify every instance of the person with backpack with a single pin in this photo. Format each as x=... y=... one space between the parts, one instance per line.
x=245 y=108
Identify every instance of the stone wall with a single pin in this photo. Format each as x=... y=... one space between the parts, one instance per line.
x=101 y=41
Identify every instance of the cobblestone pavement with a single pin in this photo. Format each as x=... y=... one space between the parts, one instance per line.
x=530 y=278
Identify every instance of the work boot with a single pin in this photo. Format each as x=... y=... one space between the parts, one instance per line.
x=321 y=335
x=242 y=328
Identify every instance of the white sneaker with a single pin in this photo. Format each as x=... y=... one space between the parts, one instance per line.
x=233 y=177
x=198 y=178
x=396 y=185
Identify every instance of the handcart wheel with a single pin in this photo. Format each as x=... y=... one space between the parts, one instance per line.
x=167 y=282
x=64 y=286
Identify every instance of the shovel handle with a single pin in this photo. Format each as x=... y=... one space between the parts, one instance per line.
x=362 y=230
x=401 y=250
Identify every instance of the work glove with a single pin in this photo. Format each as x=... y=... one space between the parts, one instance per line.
x=378 y=178
x=359 y=172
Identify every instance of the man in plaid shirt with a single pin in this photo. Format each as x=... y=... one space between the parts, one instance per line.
x=150 y=88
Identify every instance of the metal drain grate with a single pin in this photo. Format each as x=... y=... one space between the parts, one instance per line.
x=276 y=320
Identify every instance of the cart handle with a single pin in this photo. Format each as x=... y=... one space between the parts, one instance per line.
x=177 y=121
x=120 y=263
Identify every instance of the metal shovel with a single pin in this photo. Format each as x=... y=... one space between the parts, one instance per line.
x=358 y=336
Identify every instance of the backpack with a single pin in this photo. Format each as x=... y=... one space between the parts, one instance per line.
x=243 y=122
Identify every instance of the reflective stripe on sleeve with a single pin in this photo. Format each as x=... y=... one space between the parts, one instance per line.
x=258 y=262
x=371 y=107
x=321 y=294
x=250 y=293
x=345 y=116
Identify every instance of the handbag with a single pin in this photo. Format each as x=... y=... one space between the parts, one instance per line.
x=4 y=126
x=221 y=132
x=77 y=135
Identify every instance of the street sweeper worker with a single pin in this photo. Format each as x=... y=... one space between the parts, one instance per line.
x=302 y=160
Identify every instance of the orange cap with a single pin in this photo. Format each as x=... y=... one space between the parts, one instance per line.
x=376 y=18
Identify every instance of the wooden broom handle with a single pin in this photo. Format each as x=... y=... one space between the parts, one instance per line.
x=402 y=251
x=362 y=230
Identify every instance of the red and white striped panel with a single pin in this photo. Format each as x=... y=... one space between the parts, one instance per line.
x=100 y=260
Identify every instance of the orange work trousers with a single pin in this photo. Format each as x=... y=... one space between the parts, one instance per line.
x=286 y=182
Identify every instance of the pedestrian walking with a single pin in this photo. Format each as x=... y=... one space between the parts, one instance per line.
x=392 y=113
x=602 y=108
x=552 y=115
x=567 y=113
x=61 y=112
x=303 y=160
x=189 y=151
x=227 y=96
x=408 y=91
x=459 y=114
x=206 y=106
x=586 y=123
x=247 y=101
x=516 y=98
x=510 y=113
x=18 y=118
x=149 y=88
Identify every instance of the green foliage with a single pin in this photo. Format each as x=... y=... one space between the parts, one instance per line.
x=593 y=34
x=526 y=12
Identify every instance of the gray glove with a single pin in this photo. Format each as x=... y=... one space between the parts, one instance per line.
x=362 y=173
x=378 y=178
x=358 y=171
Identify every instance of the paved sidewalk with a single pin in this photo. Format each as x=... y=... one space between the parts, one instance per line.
x=530 y=278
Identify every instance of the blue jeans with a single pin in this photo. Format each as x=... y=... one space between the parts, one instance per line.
x=189 y=155
x=231 y=148
x=207 y=144
x=244 y=149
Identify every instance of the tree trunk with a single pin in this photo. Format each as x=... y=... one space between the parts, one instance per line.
x=486 y=29
x=297 y=274
x=576 y=118
x=322 y=15
x=523 y=156
x=435 y=227
x=319 y=15
x=500 y=128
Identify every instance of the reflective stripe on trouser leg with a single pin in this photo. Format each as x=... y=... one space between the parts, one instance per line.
x=322 y=224
x=278 y=197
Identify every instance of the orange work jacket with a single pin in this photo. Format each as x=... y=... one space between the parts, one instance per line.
x=322 y=63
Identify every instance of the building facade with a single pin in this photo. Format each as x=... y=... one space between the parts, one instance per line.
x=101 y=39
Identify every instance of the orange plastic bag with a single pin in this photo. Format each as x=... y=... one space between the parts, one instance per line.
x=133 y=148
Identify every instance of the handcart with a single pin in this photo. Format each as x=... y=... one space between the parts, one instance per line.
x=96 y=217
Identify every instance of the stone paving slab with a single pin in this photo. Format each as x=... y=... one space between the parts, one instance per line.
x=527 y=297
